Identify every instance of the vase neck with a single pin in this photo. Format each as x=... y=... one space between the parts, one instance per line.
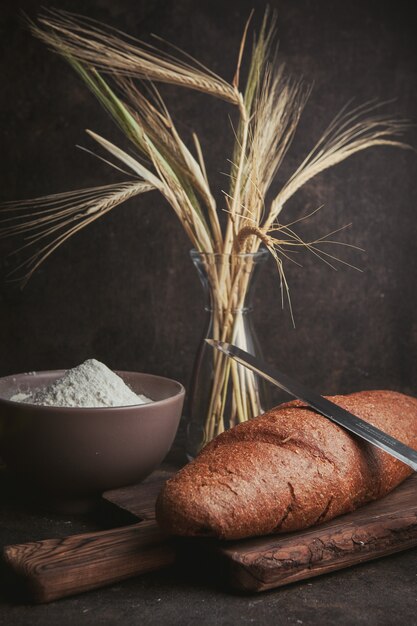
x=211 y=307
x=228 y=280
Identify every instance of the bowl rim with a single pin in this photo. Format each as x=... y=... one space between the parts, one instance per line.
x=92 y=409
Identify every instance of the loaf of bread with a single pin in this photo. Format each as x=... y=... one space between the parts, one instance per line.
x=288 y=469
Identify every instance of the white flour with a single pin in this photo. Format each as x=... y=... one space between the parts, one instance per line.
x=91 y=384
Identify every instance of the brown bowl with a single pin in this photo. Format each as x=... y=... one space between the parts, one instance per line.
x=70 y=455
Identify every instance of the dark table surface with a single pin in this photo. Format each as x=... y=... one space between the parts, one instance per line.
x=380 y=592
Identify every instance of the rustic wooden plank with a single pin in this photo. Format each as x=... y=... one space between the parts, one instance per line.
x=139 y=499
x=375 y=530
x=55 y=568
x=378 y=529
x=58 y=567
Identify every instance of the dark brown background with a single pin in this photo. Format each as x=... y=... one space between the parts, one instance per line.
x=124 y=290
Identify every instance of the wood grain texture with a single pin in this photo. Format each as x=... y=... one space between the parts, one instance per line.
x=139 y=499
x=55 y=568
x=378 y=529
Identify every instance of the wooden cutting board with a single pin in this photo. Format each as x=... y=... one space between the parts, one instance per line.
x=59 y=567
x=377 y=529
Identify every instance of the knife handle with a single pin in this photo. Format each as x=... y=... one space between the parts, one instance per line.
x=55 y=568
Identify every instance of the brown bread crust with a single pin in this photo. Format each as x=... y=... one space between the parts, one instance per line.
x=288 y=469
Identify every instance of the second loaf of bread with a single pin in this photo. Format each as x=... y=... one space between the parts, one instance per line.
x=288 y=469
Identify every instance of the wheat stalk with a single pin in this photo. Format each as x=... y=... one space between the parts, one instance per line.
x=87 y=41
x=350 y=132
x=60 y=216
x=277 y=110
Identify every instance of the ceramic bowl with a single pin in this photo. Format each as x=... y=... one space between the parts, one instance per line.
x=70 y=455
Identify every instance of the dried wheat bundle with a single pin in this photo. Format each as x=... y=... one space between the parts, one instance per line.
x=270 y=106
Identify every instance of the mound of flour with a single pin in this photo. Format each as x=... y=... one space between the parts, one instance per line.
x=91 y=384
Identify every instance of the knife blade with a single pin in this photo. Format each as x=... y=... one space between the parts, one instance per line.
x=329 y=409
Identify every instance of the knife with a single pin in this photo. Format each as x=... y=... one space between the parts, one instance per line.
x=327 y=408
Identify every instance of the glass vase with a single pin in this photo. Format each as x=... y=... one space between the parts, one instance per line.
x=224 y=393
